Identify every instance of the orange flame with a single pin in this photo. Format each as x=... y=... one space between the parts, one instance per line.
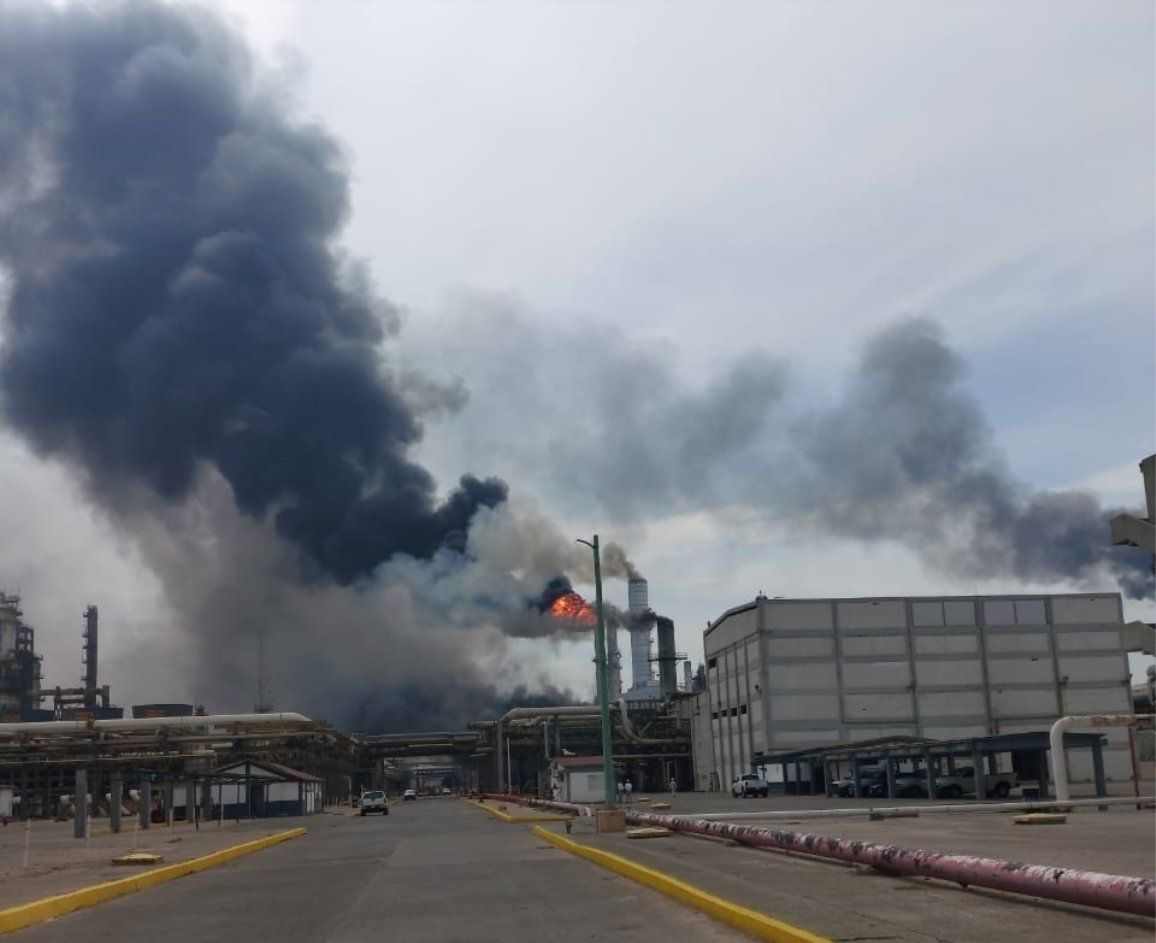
x=572 y=608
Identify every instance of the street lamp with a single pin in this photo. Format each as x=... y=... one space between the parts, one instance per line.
x=601 y=667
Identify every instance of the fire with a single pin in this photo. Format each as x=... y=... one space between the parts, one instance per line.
x=572 y=608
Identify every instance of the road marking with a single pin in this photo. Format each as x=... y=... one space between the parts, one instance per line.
x=25 y=915
x=506 y=817
x=741 y=918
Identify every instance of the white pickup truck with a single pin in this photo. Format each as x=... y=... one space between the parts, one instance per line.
x=373 y=800
x=749 y=784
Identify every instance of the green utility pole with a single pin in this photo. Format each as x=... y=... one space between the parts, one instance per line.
x=601 y=669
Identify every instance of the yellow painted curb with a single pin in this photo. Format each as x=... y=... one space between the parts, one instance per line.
x=735 y=915
x=25 y=915
x=506 y=817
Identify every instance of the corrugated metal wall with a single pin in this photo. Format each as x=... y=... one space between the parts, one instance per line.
x=793 y=673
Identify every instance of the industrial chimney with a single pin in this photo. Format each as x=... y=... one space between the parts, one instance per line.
x=667 y=659
x=638 y=603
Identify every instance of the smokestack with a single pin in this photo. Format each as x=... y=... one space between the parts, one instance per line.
x=91 y=688
x=637 y=595
x=667 y=660
x=638 y=602
x=614 y=658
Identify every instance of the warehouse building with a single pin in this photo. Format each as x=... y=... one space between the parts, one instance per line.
x=787 y=674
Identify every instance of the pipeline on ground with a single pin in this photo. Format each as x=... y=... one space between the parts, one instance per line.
x=1115 y=892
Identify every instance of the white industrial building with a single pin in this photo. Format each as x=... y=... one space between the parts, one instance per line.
x=783 y=674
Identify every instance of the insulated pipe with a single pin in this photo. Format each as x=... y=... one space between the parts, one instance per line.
x=1088 y=888
x=1092 y=721
x=1115 y=892
x=520 y=713
x=152 y=723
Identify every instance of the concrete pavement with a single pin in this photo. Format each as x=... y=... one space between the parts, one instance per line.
x=434 y=870
x=443 y=870
x=58 y=862
x=845 y=902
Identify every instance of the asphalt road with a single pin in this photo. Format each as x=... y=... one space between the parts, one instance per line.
x=433 y=870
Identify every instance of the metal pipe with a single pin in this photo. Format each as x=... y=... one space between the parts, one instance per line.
x=517 y=713
x=1056 y=740
x=1088 y=888
x=153 y=723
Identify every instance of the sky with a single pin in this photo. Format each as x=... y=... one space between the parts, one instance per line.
x=566 y=201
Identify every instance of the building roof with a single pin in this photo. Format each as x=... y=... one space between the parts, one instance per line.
x=278 y=771
x=578 y=762
x=986 y=597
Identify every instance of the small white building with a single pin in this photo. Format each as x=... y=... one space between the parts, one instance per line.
x=577 y=779
x=275 y=790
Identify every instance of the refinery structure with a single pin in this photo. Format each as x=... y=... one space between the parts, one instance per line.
x=798 y=691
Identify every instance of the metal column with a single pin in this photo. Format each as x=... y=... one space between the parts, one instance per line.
x=980 y=777
x=1098 y=769
x=80 y=804
x=146 y=802
x=115 y=798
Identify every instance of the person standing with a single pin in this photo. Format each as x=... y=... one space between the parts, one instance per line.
x=673 y=786
x=621 y=791
x=629 y=791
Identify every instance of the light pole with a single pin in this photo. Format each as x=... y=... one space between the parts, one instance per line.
x=600 y=673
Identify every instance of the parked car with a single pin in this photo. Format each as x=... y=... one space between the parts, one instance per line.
x=963 y=781
x=749 y=784
x=869 y=779
x=374 y=800
x=409 y=795
x=911 y=786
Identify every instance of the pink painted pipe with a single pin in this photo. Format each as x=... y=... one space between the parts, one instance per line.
x=1090 y=888
x=1115 y=892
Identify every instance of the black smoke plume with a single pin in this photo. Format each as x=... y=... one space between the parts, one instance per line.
x=175 y=298
x=895 y=450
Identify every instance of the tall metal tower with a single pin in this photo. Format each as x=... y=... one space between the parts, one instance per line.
x=89 y=682
x=264 y=703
